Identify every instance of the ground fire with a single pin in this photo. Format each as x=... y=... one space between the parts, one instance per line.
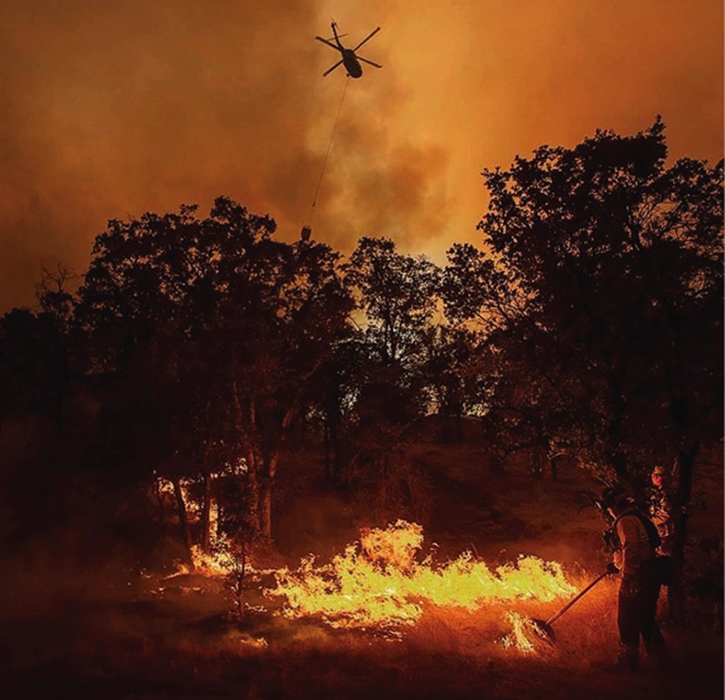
x=377 y=582
x=383 y=584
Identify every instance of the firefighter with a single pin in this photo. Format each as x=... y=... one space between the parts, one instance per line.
x=660 y=508
x=661 y=513
x=635 y=541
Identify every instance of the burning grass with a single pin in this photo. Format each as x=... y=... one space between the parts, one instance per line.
x=383 y=585
x=178 y=643
x=378 y=583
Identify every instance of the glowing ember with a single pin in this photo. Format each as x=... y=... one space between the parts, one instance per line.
x=378 y=584
x=259 y=643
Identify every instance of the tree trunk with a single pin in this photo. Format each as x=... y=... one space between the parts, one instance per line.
x=162 y=512
x=333 y=415
x=551 y=457
x=253 y=483
x=183 y=518
x=554 y=468
x=677 y=594
x=336 y=452
x=266 y=486
x=265 y=508
x=619 y=464
x=618 y=458
x=206 y=515
x=303 y=429
x=326 y=447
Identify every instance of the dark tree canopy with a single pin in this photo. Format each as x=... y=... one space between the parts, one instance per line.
x=222 y=328
x=602 y=266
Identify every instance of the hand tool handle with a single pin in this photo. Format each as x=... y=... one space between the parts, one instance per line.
x=574 y=600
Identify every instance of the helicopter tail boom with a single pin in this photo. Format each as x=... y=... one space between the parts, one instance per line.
x=333 y=25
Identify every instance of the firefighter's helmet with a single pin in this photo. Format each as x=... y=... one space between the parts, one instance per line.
x=615 y=497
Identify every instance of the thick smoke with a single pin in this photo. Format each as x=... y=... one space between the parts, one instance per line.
x=113 y=109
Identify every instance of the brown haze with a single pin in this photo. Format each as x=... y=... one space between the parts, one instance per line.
x=112 y=109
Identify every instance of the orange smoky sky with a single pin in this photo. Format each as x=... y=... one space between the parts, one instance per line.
x=108 y=110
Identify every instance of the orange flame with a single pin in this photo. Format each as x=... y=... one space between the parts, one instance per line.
x=522 y=632
x=377 y=583
x=219 y=562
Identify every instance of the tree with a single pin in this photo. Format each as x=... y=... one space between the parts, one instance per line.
x=36 y=353
x=216 y=330
x=376 y=385
x=398 y=296
x=602 y=266
x=449 y=373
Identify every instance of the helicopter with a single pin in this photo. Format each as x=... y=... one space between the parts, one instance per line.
x=349 y=57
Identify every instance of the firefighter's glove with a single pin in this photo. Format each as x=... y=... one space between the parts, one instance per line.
x=612 y=568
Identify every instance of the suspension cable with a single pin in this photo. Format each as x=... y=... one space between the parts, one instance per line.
x=329 y=145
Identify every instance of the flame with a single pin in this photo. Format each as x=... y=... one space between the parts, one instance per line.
x=378 y=584
x=219 y=562
x=521 y=633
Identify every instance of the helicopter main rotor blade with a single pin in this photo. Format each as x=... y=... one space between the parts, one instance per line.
x=367 y=38
x=365 y=60
x=329 y=70
x=329 y=43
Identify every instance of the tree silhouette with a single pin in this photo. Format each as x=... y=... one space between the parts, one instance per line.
x=397 y=293
x=398 y=297
x=603 y=270
x=217 y=330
